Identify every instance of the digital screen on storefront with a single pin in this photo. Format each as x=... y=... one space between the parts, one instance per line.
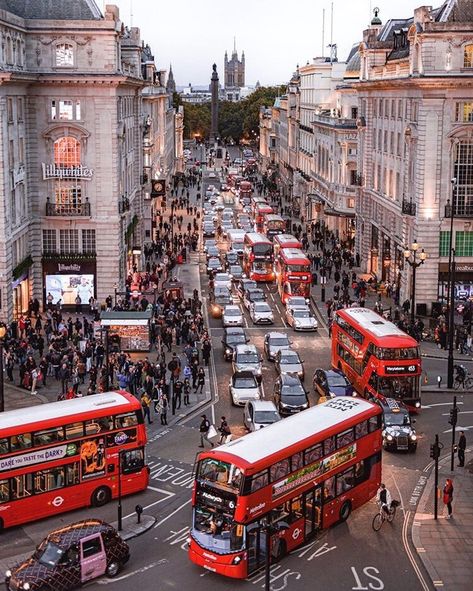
x=67 y=287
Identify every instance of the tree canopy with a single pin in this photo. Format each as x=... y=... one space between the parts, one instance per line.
x=236 y=120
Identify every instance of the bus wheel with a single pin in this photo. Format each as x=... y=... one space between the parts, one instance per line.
x=345 y=511
x=101 y=496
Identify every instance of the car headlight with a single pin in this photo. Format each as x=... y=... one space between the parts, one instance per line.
x=284 y=405
x=389 y=438
x=228 y=351
x=26 y=586
x=307 y=301
x=236 y=560
x=417 y=404
x=305 y=405
x=300 y=373
x=414 y=437
x=8 y=574
x=332 y=394
x=258 y=371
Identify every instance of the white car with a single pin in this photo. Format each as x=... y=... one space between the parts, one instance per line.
x=296 y=302
x=232 y=316
x=301 y=319
x=243 y=387
x=259 y=414
x=261 y=313
x=223 y=280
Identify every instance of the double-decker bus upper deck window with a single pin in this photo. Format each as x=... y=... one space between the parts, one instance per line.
x=75 y=430
x=222 y=473
x=313 y=454
x=395 y=354
x=126 y=420
x=280 y=469
x=262 y=249
x=3 y=446
x=349 y=329
x=329 y=445
x=297 y=461
x=22 y=441
x=345 y=438
x=48 y=436
x=374 y=423
x=255 y=482
x=361 y=429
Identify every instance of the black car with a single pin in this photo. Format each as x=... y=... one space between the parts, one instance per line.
x=289 y=394
x=231 y=257
x=214 y=265
x=231 y=338
x=245 y=284
x=329 y=383
x=398 y=432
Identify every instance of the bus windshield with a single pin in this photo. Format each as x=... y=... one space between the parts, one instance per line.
x=298 y=268
x=396 y=387
x=216 y=530
x=221 y=473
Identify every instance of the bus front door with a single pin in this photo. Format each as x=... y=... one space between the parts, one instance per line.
x=256 y=544
x=313 y=511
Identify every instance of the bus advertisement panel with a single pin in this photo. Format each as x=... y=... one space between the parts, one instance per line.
x=65 y=455
x=301 y=475
x=379 y=359
x=273 y=225
x=258 y=257
x=293 y=274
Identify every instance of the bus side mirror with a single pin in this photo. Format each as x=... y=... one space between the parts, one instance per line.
x=110 y=468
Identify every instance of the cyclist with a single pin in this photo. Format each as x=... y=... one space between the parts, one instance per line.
x=383 y=498
x=461 y=373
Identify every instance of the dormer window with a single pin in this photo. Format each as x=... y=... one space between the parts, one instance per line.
x=64 y=55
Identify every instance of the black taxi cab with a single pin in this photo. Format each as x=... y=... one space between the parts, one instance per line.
x=69 y=557
x=398 y=432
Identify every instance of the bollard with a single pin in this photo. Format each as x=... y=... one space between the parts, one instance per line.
x=439 y=381
x=139 y=511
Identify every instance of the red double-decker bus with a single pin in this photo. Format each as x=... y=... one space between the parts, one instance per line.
x=246 y=189
x=70 y=454
x=293 y=274
x=379 y=359
x=293 y=478
x=261 y=210
x=258 y=257
x=285 y=241
x=273 y=225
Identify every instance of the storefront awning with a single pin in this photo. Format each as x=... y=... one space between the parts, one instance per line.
x=126 y=318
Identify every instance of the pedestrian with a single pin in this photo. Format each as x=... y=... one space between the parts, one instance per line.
x=224 y=430
x=461 y=449
x=204 y=431
x=145 y=404
x=178 y=388
x=448 y=496
x=200 y=380
x=187 y=391
x=163 y=409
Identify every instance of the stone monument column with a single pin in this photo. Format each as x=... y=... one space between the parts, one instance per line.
x=214 y=90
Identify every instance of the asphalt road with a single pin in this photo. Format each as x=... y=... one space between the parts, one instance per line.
x=350 y=556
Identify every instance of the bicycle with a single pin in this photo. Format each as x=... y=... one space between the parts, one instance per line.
x=383 y=516
x=463 y=378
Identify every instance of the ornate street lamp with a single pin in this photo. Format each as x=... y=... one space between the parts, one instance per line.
x=410 y=255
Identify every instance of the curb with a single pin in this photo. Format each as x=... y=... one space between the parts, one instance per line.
x=433 y=390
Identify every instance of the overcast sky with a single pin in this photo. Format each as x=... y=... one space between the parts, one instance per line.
x=275 y=34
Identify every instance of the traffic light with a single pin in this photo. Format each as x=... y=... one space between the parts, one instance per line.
x=453 y=416
x=434 y=451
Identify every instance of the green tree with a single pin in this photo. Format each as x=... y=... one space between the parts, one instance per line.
x=197 y=119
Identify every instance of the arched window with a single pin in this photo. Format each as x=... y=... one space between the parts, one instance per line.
x=67 y=152
x=468 y=56
x=9 y=51
x=19 y=53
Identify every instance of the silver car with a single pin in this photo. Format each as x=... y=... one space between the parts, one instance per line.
x=259 y=414
x=274 y=342
x=232 y=316
x=243 y=387
x=296 y=302
x=301 y=319
x=223 y=280
x=261 y=313
x=288 y=361
x=247 y=358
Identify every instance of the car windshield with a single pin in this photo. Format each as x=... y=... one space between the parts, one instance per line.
x=234 y=339
x=266 y=417
x=338 y=381
x=396 y=419
x=301 y=314
x=278 y=342
x=234 y=269
x=247 y=358
x=222 y=277
x=297 y=302
x=222 y=298
x=290 y=359
x=232 y=312
x=295 y=390
x=256 y=295
x=214 y=263
x=244 y=383
x=49 y=554
x=262 y=307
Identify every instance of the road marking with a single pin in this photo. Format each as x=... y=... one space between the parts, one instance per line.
x=463 y=412
x=459 y=428
x=410 y=554
x=439 y=404
x=170 y=494
x=131 y=574
x=171 y=514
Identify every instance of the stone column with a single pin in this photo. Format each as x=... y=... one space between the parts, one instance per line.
x=214 y=90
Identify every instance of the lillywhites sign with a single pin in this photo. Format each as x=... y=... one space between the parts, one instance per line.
x=314 y=470
x=36 y=457
x=51 y=171
x=71 y=267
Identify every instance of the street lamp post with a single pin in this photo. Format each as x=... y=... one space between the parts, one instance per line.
x=3 y=331
x=450 y=211
x=107 y=370
x=410 y=256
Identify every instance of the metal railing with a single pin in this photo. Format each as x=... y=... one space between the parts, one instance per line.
x=68 y=209
x=408 y=207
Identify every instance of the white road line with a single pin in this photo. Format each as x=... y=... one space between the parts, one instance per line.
x=173 y=513
x=152 y=504
x=439 y=404
x=135 y=572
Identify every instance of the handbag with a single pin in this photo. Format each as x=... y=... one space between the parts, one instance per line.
x=212 y=432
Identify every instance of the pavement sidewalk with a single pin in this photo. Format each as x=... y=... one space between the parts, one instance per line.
x=444 y=545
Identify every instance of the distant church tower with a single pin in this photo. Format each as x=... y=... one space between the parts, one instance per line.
x=170 y=84
x=234 y=69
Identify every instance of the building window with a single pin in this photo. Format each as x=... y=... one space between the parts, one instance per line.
x=464 y=112
x=65 y=110
x=444 y=243
x=68 y=198
x=468 y=57
x=69 y=241
x=11 y=154
x=464 y=244
x=88 y=240
x=49 y=241
x=64 y=55
x=67 y=152
x=21 y=150
x=463 y=171
x=10 y=110
x=21 y=110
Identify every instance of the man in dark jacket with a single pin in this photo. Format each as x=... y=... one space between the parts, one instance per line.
x=461 y=449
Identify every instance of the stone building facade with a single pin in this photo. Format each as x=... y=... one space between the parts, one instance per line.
x=71 y=173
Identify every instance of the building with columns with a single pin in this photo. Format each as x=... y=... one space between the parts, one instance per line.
x=415 y=98
x=71 y=172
